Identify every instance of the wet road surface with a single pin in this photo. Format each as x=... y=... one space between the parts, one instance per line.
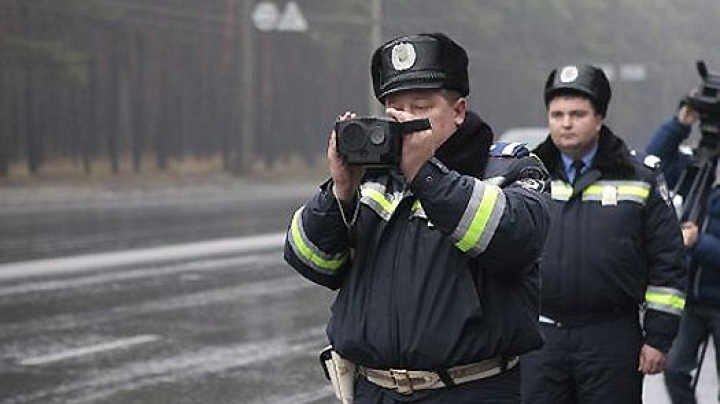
x=166 y=296
x=59 y=221
x=235 y=327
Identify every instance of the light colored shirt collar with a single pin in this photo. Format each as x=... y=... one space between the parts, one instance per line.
x=587 y=159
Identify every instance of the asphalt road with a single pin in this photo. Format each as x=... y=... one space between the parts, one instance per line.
x=41 y=222
x=223 y=322
x=172 y=295
x=137 y=294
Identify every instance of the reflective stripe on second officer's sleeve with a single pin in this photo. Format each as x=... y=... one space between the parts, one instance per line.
x=480 y=219
x=665 y=299
x=310 y=254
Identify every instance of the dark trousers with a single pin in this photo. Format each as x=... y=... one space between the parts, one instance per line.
x=697 y=323
x=590 y=364
x=501 y=389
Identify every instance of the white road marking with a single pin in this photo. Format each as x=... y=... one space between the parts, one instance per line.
x=202 y=265
x=88 y=350
x=88 y=262
x=193 y=365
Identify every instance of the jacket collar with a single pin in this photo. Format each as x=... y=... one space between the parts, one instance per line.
x=467 y=150
x=613 y=159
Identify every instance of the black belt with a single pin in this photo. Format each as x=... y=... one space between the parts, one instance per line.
x=574 y=320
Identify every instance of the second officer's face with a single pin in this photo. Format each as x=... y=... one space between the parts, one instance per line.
x=574 y=125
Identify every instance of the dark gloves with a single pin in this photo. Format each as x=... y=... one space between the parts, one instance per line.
x=529 y=172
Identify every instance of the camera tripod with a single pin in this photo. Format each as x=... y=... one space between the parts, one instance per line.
x=695 y=182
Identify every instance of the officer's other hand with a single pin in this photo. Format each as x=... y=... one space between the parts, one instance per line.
x=652 y=361
x=346 y=178
x=417 y=147
x=690 y=234
x=529 y=172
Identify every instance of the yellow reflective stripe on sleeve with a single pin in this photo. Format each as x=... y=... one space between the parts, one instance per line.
x=665 y=299
x=480 y=219
x=308 y=253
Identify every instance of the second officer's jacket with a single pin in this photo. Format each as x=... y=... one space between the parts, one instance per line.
x=434 y=273
x=614 y=246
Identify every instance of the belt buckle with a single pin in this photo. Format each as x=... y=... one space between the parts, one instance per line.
x=403 y=383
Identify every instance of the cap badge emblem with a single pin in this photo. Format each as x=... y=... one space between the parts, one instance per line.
x=568 y=74
x=403 y=56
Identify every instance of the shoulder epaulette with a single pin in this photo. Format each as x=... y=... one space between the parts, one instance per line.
x=508 y=149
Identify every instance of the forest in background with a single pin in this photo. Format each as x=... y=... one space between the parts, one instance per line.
x=145 y=85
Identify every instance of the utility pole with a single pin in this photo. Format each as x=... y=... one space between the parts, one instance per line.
x=375 y=41
x=244 y=148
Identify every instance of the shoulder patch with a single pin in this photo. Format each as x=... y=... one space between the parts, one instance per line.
x=650 y=161
x=508 y=149
x=533 y=184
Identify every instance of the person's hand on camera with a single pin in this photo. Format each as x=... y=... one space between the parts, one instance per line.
x=417 y=147
x=346 y=178
x=686 y=114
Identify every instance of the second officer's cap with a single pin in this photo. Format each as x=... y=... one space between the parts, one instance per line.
x=587 y=80
x=422 y=61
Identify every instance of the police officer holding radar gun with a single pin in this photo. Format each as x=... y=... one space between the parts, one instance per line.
x=691 y=177
x=614 y=251
x=429 y=237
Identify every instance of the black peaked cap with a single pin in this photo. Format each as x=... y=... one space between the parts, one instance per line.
x=587 y=80
x=422 y=61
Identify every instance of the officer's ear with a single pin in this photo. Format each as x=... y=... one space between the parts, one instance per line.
x=459 y=110
x=599 y=119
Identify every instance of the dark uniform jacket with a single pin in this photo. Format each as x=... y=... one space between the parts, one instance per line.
x=435 y=273
x=704 y=274
x=614 y=244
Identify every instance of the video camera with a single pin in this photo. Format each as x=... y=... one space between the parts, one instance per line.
x=707 y=100
x=707 y=103
x=374 y=142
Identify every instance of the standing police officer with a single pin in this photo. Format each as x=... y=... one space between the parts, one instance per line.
x=614 y=246
x=435 y=262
